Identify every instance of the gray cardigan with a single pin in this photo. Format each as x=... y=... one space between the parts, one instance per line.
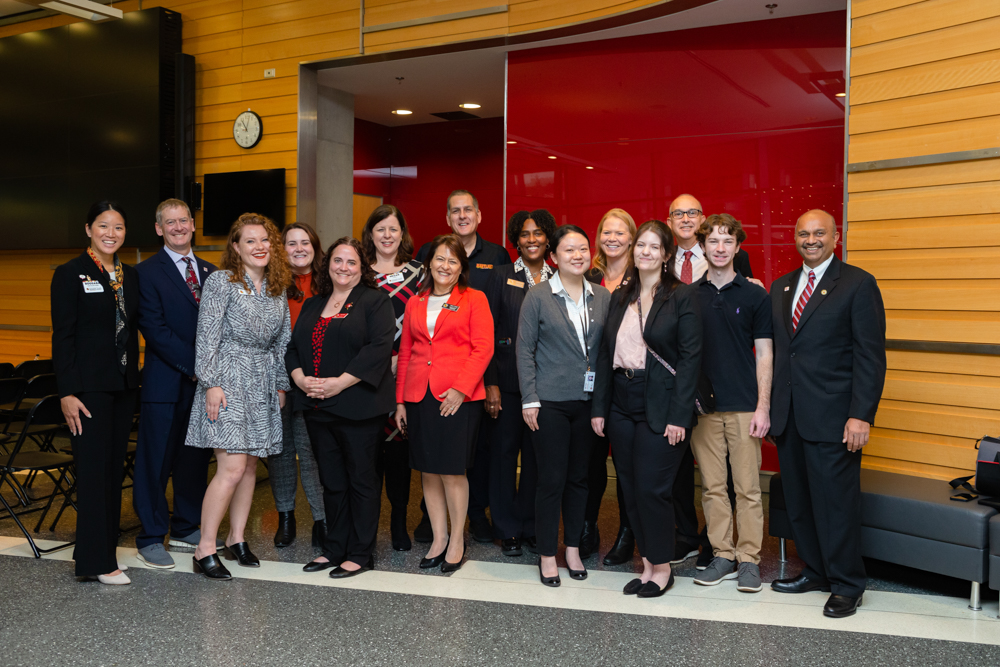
x=550 y=362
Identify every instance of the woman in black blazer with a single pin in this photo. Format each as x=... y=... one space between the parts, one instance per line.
x=512 y=504
x=647 y=372
x=339 y=358
x=95 y=351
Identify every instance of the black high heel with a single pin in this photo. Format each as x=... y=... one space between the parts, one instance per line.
x=448 y=568
x=554 y=582
x=211 y=567
x=241 y=553
x=428 y=563
x=579 y=575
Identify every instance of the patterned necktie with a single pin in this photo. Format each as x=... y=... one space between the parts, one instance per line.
x=686 y=269
x=803 y=300
x=192 y=280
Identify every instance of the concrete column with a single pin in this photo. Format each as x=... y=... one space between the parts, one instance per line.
x=334 y=164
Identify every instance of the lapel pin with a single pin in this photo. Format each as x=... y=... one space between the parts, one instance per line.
x=205 y=269
x=82 y=277
x=787 y=287
x=823 y=292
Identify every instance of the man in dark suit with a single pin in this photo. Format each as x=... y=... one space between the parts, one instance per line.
x=829 y=370
x=169 y=293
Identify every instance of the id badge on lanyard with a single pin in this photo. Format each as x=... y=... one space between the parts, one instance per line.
x=589 y=376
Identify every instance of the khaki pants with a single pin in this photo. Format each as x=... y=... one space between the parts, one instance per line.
x=715 y=436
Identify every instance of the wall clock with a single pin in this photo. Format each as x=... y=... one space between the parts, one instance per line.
x=248 y=129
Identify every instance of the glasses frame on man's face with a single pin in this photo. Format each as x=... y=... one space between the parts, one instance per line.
x=680 y=215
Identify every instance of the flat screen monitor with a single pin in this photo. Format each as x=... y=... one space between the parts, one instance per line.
x=230 y=195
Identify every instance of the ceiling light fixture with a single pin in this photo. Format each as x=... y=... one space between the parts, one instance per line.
x=588 y=167
x=552 y=157
x=402 y=112
x=469 y=105
x=840 y=95
x=511 y=142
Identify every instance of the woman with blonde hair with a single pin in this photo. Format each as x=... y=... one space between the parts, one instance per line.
x=243 y=330
x=613 y=256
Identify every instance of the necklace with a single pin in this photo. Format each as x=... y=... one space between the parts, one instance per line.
x=433 y=293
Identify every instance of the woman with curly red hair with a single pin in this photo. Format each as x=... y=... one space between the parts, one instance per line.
x=243 y=329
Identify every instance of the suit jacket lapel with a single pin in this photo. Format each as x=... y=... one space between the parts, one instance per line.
x=456 y=299
x=174 y=277
x=821 y=291
x=786 y=301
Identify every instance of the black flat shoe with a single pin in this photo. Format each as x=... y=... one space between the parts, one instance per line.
x=285 y=534
x=423 y=533
x=317 y=566
x=241 y=553
x=319 y=533
x=340 y=573
x=554 y=582
x=632 y=587
x=800 y=584
x=841 y=606
x=397 y=528
x=623 y=549
x=590 y=540
x=448 y=568
x=651 y=590
x=511 y=547
x=428 y=563
x=579 y=575
x=211 y=567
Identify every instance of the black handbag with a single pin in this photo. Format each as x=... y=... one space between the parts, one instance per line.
x=987 y=469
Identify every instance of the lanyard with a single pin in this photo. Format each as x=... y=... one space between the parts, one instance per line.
x=586 y=328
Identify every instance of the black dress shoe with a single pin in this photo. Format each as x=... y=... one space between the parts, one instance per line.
x=623 y=548
x=340 y=573
x=800 y=584
x=683 y=551
x=554 y=582
x=511 y=547
x=530 y=544
x=423 y=533
x=632 y=587
x=579 y=575
x=397 y=528
x=448 y=568
x=428 y=563
x=481 y=530
x=841 y=606
x=241 y=553
x=319 y=533
x=211 y=567
x=286 y=529
x=590 y=540
x=651 y=590
x=317 y=566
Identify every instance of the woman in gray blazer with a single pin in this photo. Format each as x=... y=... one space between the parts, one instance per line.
x=558 y=339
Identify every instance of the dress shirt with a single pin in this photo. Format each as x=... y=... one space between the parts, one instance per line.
x=698 y=262
x=804 y=278
x=575 y=310
x=178 y=260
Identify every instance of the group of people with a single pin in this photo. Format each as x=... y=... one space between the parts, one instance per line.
x=355 y=365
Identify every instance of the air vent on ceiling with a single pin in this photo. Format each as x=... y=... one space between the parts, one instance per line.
x=455 y=115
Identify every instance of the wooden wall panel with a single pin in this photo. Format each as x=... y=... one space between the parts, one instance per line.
x=927 y=47
x=971 y=70
x=924 y=17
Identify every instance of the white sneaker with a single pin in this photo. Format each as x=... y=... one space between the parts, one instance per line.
x=117 y=580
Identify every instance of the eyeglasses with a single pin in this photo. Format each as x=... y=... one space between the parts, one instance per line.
x=679 y=215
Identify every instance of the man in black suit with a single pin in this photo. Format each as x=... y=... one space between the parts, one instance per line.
x=829 y=370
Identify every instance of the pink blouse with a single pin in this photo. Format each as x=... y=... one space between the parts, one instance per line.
x=630 y=351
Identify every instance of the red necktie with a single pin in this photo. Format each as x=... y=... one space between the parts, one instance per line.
x=686 y=268
x=192 y=280
x=803 y=300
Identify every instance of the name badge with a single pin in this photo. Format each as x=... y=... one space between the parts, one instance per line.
x=484 y=266
x=588 y=381
x=242 y=291
x=515 y=283
x=92 y=287
x=394 y=278
x=340 y=316
x=450 y=306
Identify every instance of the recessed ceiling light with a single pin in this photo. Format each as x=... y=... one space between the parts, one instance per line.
x=511 y=142
x=588 y=167
x=841 y=95
x=469 y=105
x=402 y=112
x=552 y=157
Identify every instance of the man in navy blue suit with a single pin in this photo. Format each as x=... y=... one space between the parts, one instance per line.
x=169 y=294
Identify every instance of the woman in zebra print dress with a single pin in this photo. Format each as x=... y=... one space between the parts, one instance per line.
x=389 y=249
x=243 y=329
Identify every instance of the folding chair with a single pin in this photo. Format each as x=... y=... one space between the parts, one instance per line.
x=33 y=390
x=29 y=369
x=6 y=370
x=47 y=412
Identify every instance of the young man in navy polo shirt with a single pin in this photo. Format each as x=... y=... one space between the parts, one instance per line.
x=738 y=359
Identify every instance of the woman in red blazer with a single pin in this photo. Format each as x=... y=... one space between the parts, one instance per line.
x=440 y=391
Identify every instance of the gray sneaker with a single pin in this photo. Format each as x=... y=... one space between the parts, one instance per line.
x=191 y=541
x=155 y=556
x=718 y=571
x=748 y=580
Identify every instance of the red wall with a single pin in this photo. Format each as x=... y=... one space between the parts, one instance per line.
x=744 y=117
x=415 y=168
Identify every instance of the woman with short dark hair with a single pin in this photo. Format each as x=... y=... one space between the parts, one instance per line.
x=95 y=352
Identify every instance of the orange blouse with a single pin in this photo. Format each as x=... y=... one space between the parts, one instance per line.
x=304 y=283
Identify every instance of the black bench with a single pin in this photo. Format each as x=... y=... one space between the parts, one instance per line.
x=910 y=521
x=995 y=555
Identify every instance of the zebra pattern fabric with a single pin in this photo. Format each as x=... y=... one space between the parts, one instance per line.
x=400 y=287
x=242 y=336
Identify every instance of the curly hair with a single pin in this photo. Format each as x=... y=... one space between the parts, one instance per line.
x=278 y=271
x=600 y=259
x=404 y=253
x=452 y=243
x=325 y=282
x=726 y=223
x=545 y=221
x=315 y=266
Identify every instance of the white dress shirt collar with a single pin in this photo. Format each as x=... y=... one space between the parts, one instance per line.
x=804 y=277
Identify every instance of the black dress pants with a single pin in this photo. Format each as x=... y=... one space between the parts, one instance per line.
x=346 y=451
x=99 y=453
x=822 y=484
x=597 y=484
x=512 y=504
x=563 y=444
x=479 y=473
x=647 y=465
